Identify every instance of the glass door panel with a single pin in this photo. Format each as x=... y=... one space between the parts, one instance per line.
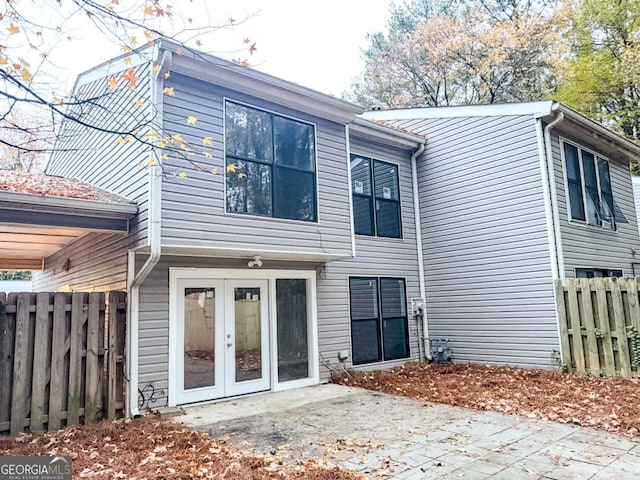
x=247 y=337
x=199 y=335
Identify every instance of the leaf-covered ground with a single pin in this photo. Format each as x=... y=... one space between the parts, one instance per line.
x=611 y=404
x=149 y=448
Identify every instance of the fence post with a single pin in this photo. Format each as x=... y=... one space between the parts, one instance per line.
x=6 y=361
x=564 y=332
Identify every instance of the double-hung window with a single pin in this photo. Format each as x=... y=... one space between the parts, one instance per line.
x=379 y=329
x=376 y=197
x=589 y=188
x=270 y=164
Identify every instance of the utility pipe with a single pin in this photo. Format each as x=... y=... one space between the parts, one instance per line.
x=554 y=193
x=154 y=243
x=424 y=341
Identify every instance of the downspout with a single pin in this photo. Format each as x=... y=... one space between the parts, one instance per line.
x=551 y=206
x=154 y=243
x=424 y=341
x=554 y=193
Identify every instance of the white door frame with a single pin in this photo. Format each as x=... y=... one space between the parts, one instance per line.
x=216 y=390
x=190 y=274
x=231 y=386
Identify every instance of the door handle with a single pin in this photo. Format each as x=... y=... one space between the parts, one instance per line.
x=229 y=344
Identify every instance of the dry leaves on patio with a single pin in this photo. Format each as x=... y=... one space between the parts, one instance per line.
x=611 y=404
x=149 y=448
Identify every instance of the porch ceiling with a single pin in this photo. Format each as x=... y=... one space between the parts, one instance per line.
x=32 y=227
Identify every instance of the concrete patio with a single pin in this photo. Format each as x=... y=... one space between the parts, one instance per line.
x=382 y=436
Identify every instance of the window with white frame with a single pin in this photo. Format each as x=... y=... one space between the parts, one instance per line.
x=589 y=188
x=270 y=164
x=597 y=272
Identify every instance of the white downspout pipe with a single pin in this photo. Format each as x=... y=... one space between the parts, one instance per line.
x=551 y=206
x=154 y=243
x=424 y=341
x=554 y=193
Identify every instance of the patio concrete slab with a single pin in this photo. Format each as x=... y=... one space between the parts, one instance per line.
x=397 y=438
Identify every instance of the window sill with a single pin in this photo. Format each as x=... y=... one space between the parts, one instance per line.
x=594 y=228
x=277 y=219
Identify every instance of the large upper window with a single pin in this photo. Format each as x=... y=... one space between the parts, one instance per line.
x=270 y=164
x=379 y=329
x=376 y=197
x=589 y=188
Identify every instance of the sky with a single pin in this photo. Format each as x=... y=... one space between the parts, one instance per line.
x=315 y=44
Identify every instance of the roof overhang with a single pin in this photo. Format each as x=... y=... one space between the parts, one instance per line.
x=592 y=133
x=253 y=82
x=32 y=227
x=385 y=134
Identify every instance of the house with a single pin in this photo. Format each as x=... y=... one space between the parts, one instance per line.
x=512 y=196
x=278 y=235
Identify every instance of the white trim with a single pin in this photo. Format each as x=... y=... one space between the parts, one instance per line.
x=494 y=109
x=132 y=334
x=70 y=205
x=228 y=252
x=546 y=194
x=386 y=133
x=191 y=273
x=226 y=99
x=350 y=193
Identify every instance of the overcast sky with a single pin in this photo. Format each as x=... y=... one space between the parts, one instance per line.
x=315 y=44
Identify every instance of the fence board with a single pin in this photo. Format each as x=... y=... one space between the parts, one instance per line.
x=93 y=387
x=6 y=361
x=562 y=319
x=589 y=327
x=112 y=355
x=576 y=331
x=40 y=362
x=53 y=370
x=620 y=327
x=603 y=325
x=19 y=398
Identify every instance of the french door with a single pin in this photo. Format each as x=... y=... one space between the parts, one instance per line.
x=222 y=338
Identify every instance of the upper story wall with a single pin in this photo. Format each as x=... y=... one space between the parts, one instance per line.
x=485 y=244
x=98 y=145
x=193 y=207
x=590 y=246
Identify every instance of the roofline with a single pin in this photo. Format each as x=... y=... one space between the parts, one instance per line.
x=631 y=147
x=262 y=85
x=492 y=109
x=79 y=206
x=386 y=134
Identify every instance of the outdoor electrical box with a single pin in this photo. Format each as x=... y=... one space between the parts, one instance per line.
x=440 y=350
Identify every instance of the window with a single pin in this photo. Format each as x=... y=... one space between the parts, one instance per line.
x=376 y=197
x=379 y=329
x=589 y=188
x=270 y=164
x=597 y=273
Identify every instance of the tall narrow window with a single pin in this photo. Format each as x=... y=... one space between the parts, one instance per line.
x=379 y=329
x=270 y=164
x=376 y=197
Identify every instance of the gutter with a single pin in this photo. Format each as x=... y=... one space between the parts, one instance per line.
x=423 y=344
x=154 y=243
x=77 y=206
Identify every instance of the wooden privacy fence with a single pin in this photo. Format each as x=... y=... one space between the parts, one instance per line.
x=599 y=325
x=54 y=367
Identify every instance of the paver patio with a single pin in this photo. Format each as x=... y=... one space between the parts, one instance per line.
x=383 y=436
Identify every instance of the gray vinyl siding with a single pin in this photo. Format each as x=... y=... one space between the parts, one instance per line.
x=97 y=157
x=636 y=197
x=375 y=257
x=153 y=346
x=486 y=252
x=589 y=246
x=97 y=262
x=193 y=208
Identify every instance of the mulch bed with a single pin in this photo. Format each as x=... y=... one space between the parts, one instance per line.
x=611 y=404
x=150 y=448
